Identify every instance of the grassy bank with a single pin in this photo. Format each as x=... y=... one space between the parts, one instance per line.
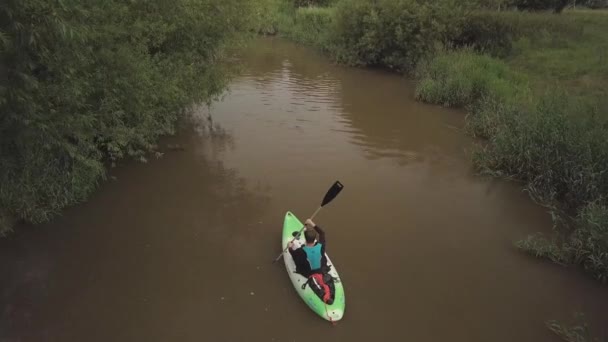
x=543 y=110
x=535 y=86
x=568 y=50
x=310 y=26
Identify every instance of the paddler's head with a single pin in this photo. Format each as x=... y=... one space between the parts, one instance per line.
x=310 y=235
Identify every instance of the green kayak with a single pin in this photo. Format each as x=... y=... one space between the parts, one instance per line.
x=332 y=311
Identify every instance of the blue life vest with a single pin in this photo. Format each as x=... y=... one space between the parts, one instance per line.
x=313 y=254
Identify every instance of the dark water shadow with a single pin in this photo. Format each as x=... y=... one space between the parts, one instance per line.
x=142 y=248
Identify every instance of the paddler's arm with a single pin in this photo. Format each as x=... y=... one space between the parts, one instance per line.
x=321 y=238
x=321 y=235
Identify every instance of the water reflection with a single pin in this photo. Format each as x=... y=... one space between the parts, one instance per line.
x=142 y=246
x=297 y=81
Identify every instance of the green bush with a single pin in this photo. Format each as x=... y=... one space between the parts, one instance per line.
x=486 y=32
x=274 y=16
x=392 y=33
x=311 y=26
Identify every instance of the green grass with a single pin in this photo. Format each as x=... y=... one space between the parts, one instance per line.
x=310 y=26
x=461 y=78
x=586 y=245
x=570 y=50
x=543 y=126
x=577 y=331
x=6 y=224
x=556 y=144
x=274 y=16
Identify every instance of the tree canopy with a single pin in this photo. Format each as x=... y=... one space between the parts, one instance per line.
x=83 y=83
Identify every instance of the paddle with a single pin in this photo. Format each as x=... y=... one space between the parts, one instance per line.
x=329 y=196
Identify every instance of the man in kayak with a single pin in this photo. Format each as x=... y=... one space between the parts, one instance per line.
x=310 y=259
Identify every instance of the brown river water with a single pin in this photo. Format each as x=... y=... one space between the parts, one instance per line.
x=181 y=248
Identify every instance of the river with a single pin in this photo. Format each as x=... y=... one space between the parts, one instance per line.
x=181 y=248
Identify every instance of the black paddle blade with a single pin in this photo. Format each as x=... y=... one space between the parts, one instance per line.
x=332 y=193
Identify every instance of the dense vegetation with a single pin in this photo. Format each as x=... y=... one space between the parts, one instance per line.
x=85 y=83
x=535 y=85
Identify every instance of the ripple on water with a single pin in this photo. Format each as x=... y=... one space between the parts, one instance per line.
x=291 y=92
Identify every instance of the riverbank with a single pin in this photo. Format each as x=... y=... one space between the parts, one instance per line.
x=535 y=85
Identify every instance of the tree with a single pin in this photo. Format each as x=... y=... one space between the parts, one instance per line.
x=85 y=83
